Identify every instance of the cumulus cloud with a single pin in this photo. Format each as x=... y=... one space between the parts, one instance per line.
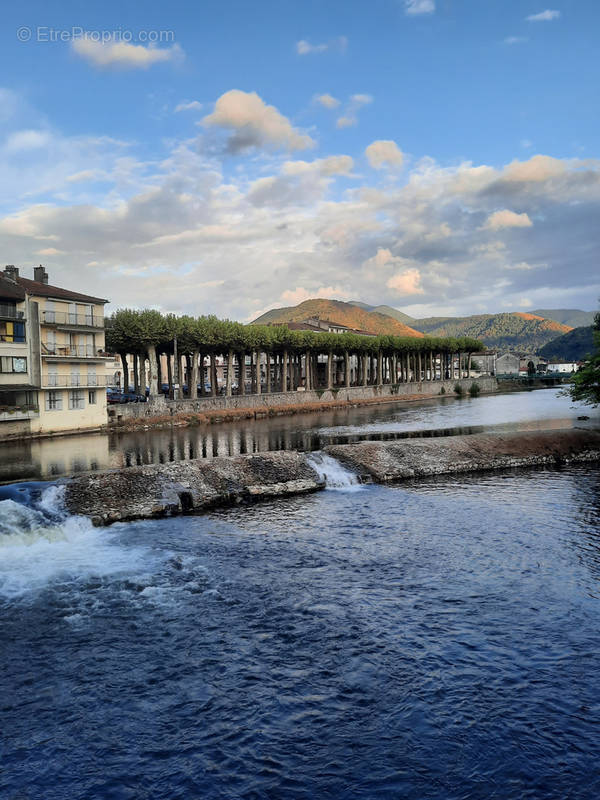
x=305 y=48
x=384 y=152
x=179 y=234
x=407 y=282
x=192 y=105
x=415 y=7
x=543 y=16
x=537 y=169
x=516 y=40
x=350 y=116
x=327 y=101
x=254 y=123
x=122 y=55
x=507 y=219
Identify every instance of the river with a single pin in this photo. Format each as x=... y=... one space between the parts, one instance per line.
x=67 y=455
x=437 y=639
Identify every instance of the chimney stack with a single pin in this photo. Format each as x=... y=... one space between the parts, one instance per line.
x=11 y=272
x=40 y=275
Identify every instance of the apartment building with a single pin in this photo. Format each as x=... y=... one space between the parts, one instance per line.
x=53 y=366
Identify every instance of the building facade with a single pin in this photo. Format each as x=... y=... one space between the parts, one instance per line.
x=54 y=367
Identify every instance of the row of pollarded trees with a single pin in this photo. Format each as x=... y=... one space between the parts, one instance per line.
x=279 y=359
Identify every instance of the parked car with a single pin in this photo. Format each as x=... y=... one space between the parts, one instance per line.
x=114 y=396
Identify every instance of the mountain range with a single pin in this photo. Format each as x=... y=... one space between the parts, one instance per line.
x=516 y=330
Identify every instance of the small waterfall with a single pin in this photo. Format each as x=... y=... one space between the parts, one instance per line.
x=333 y=473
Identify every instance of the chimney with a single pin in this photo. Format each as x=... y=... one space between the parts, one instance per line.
x=11 y=272
x=40 y=275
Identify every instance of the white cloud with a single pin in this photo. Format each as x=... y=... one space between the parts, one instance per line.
x=406 y=282
x=414 y=7
x=350 y=116
x=305 y=48
x=122 y=54
x=27 y=140
x=49 y=251
x=543 y=16
x=192 y=105
x=327 y=101
x=537 y=169
x=384 y=152
x=516 y=40
x=507 y=219
x=255 y=124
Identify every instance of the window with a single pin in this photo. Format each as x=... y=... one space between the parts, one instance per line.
x=13 y=364
x=12 y=332
x=76 y=399
x=54 y=401
x=92 y=397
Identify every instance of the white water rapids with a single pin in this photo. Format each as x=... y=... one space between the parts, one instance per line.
x=335 y=475
x=41 y=543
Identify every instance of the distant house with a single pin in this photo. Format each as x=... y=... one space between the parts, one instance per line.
x=323 y=326
x=486 y=361
x=563 y=366
x=508 y=364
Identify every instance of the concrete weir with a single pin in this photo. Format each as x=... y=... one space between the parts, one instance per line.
x=191 y=486
x=160 y=490
x=385 y=462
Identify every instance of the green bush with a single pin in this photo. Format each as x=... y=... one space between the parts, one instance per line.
x=474 y=389
x=442 y=390
x=458 y=390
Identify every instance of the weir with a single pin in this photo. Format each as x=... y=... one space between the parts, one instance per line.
x=196 y=485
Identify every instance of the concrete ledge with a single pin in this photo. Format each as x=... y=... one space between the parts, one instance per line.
x=187 y=486
x=160 y=490
x=410 y=458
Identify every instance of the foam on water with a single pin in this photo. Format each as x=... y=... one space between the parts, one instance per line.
x=333 y=473
x=41 y=543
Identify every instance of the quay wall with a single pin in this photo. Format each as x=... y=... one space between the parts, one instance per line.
x=264 y=402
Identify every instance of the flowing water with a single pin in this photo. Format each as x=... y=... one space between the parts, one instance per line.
x=437 y=639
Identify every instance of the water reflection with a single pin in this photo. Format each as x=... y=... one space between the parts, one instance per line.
x=64 y=455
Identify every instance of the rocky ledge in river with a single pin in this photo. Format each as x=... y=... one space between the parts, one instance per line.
x=159 y=490
x=186 y=486
x=385 y=462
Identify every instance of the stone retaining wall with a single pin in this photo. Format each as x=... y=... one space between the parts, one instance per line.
x=160 y=406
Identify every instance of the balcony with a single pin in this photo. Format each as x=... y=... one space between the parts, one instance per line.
x=52 y=381
x=12 y=338
x=53 y=350
x=71 y=320
x=10 y=312
x=17 y=413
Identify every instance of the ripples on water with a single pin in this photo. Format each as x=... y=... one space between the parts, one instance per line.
x=437 y=640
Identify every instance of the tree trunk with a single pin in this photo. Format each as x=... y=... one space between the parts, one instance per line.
x=213 y=375
x=153 y=366
x=258 y=383
x=136 y=374
x=469 y=366
x=125 y=366
x=284 y=372
x=229 y=373
x=143 y=374
x=307 y=381
x=268 y=373
x=193 y=379
x=347 y=368
x=242 y=373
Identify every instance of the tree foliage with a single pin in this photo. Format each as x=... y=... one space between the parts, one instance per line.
x=585 y=384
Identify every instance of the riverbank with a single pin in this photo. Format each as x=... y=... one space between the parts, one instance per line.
x=192 y=486
x=160 y=412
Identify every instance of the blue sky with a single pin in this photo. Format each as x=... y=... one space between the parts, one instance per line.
x=436 y=155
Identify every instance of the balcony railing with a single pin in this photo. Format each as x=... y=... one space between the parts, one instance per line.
x=10 y=312
x=68 y=318
x=73 y=351
x=16 y=413
x=52 y=381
